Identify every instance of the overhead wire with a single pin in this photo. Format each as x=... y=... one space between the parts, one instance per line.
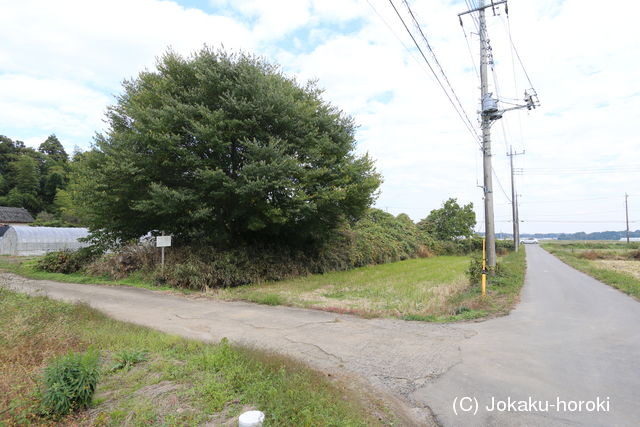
x=466 y=122
x=394 y=34
x=417 y=25
x=433 y=54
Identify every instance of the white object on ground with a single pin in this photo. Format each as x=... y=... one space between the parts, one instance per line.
x=251 y=419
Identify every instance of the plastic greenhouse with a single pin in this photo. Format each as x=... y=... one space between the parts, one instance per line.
x=28 y=241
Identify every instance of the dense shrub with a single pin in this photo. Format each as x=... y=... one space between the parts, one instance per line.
x=69 y=383
x=124 y=261
x=67 y=261
x=459 y=246
x=380 y=237
x=474 y=272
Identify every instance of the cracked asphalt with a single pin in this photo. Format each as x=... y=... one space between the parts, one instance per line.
x=571 y=338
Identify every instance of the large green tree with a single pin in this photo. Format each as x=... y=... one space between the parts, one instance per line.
x=449 y=222
x=223 y=148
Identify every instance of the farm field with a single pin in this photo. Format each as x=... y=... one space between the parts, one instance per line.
x=614 y=263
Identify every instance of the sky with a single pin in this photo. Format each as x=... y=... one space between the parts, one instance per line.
x=62 y=64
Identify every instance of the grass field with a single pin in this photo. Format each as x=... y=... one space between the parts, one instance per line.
x=429 y=289
x=182 y=382
x=614 y=263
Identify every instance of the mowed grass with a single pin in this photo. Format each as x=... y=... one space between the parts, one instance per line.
x=180 y=382
x=429 y=289
x=613 y=263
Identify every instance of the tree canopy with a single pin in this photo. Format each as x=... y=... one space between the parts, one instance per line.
x=31 y=178
x=223 y=148
x=451 y=221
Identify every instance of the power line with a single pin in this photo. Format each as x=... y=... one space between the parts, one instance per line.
x=516 y=52
x=394 y=33
x=433 y=54
x=500 y=185
x=469 y=127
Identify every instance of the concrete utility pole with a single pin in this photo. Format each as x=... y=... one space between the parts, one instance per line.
x=626 y=211
x=489 y=113
x=514 y=203
x=489 y=225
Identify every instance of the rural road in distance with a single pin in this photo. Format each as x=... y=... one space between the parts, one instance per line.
x=570 y=339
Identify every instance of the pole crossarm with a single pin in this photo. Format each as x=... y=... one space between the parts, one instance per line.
x=478 y=9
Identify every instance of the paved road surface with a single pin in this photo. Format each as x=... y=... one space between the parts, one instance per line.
x=571 y=338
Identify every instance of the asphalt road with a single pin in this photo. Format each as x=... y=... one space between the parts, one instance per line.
x=570 y=339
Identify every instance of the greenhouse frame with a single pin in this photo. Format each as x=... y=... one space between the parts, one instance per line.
x=33 y=241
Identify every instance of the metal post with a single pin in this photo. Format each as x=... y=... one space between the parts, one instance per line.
x=626 y=211
x=484 y=267
x=486 y=146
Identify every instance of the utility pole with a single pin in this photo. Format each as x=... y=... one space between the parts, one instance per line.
x=517 y=222
x=514 y=203
x=626 y=211
x=489 y=225
x=490 y=113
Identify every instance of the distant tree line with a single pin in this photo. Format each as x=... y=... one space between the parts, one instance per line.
x=581 y=235
x=35 y=179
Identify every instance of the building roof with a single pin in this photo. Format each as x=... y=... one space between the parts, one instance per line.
x=14 y=215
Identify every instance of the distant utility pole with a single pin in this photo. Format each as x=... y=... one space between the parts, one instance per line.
x=626 y=211
x=490 y=113
x=514 y=203
x=518 y=221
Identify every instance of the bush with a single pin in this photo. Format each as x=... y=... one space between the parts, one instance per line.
x=474 y=272
x=67 y=261
x=124 y=261
x=378 y=238
x=69 y=383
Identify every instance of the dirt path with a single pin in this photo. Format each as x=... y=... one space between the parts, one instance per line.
x=571 y=338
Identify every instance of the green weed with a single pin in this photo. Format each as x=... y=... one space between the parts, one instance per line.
x=69 y=383
x=125 y=359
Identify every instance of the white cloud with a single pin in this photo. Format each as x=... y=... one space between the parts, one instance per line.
x=62 y=62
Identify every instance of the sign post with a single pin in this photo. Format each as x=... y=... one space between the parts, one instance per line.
x=163 y=242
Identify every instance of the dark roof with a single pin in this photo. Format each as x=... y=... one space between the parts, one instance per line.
x=14 y=215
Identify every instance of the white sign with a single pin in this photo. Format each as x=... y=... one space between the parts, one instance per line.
x=163 y=241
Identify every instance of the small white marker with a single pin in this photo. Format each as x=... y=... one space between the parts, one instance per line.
x=251 y=419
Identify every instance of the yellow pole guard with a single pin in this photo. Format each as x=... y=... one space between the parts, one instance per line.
x=484 y=267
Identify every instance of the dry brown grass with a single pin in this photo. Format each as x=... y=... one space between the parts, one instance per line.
x=26 y=348
x=623 y=266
